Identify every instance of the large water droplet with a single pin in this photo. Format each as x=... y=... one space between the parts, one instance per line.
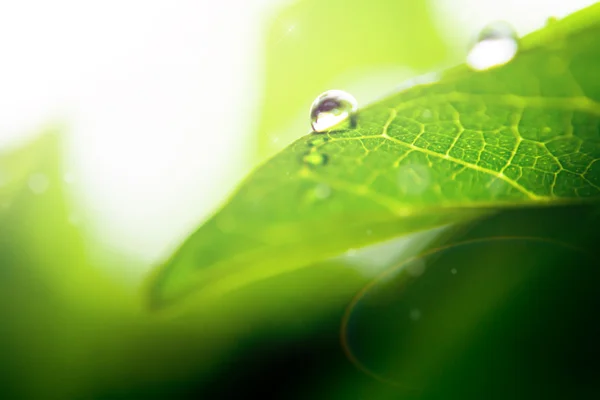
x=331 y=108
x=496 y=45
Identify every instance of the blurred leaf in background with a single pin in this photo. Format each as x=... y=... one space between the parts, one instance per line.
x=365 y=47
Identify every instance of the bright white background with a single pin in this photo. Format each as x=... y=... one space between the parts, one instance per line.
x=160 y=99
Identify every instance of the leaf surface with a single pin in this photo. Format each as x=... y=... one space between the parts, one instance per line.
x=523 y=134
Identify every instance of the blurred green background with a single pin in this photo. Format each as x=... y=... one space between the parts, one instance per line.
x=161 y=109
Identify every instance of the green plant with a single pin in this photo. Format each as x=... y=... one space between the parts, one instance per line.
x=496 y=175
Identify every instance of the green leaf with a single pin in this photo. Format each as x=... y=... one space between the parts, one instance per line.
x=524 y=134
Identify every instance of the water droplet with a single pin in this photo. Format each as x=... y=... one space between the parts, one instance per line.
x=415 y=314
x=38 y=183
x=453 y=271
x=496 y=45
x=315 y=158
x=331 y=108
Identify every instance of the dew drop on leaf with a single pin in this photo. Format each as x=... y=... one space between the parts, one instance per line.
x=496 y=45
x=315 y=158
x=331 y=108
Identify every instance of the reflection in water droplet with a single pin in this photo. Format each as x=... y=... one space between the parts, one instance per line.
x=496 y=45
x=38 y=183
x=315 y=158
x=331 y=108
x=317 y=141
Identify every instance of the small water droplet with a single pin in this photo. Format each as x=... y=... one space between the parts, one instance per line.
x=415 y=314
x=496 y=45
x=38 y=183
x=453 y=271
x=315 y=158
x=332 y=108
